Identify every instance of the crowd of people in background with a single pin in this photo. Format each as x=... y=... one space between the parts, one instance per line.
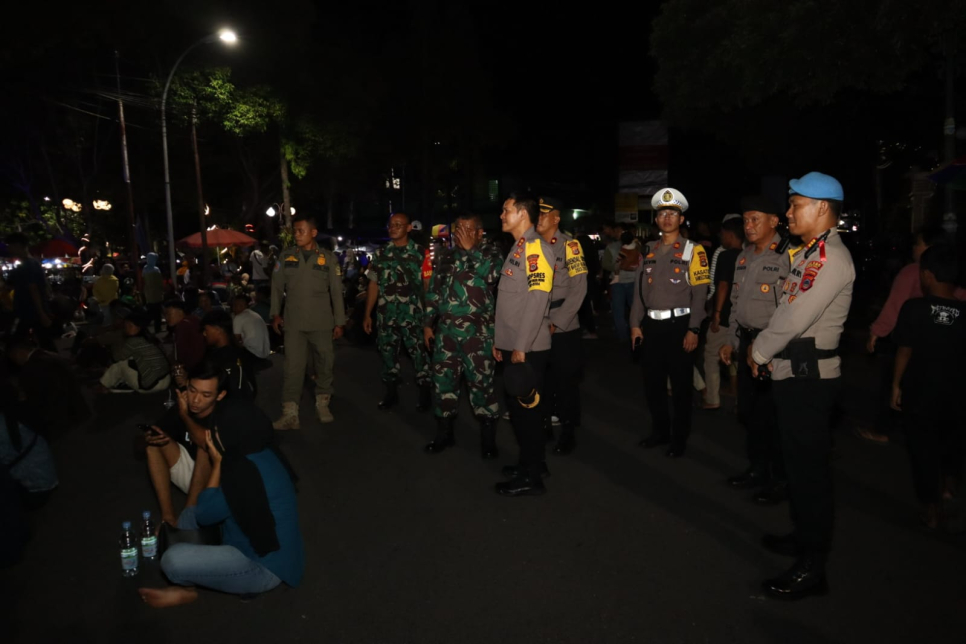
x=205 y=344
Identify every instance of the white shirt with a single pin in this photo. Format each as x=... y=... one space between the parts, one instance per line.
x=254 y=332
x=258 y=265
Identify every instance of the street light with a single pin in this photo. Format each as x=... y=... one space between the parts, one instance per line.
x=270 y=212
x=226 y=36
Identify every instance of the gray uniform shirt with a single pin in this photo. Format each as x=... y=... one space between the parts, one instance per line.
x=757 y=287
x=523 y=297
x=667 y=280
x=815 y=303
x=569 y=282
x=312 y=290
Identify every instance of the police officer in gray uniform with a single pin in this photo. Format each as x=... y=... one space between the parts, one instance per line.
x=522 y=339
x=799 y=350
x=760 y=271
x=307 y=279
x=670 y=290
x=566 y=298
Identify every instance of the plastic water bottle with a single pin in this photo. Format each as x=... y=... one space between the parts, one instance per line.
x=129 y=551
x=149 y=541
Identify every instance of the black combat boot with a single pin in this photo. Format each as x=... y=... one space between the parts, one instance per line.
x=488 y=448
x=391 y=397
x=566 y=443
x=425 y=397
x=444 y=435
x=806 y=577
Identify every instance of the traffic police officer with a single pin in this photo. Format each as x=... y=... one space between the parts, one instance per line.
x=569 y=288
x=307 y=279
x=458 y=330
x=760 y=271
x=522 y=340
x=396 y=285
x=799 y=351
x=670 y=290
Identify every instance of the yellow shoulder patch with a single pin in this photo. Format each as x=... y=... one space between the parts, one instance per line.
x=575 y=262
x=699 y=272
x=539 y=271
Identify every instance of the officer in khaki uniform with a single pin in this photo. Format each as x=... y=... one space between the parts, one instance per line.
x=799 y=351
x=566 y=298
x=307 y=279
x=522 y=340
x=760 y=271
x=670 y=290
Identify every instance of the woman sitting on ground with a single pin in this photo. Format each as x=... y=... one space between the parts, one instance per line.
x=140 y=365
x=251 y=494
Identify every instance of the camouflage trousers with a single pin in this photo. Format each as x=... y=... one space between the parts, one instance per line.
x=472 y=358
x=389 y=340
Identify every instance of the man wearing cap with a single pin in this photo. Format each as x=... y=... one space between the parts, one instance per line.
x=569 y=288
x=307 y=278
x=760 y=272
x=458 y=330
x=522 y=339
x=670 y=291
x=799 y=351
x=396 y=293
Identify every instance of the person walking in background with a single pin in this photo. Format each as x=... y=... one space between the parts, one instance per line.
x=31 y=295
x=719 y=331
x=622 y=283
x=931 y=338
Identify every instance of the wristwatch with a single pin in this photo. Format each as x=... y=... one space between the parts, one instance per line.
x=696 y=330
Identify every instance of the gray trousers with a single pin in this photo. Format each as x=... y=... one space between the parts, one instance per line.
x=297 y=347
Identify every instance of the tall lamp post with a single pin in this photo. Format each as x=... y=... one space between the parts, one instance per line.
x=226 y=36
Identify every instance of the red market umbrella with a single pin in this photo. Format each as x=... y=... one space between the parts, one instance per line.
x=219 y=237
x=55 y=248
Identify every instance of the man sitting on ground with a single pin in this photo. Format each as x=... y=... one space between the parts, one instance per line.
x=227 y=355
x=185 y=329
x=250 y=493
x=249 y=328
x=140 y=364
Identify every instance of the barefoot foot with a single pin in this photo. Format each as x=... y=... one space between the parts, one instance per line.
x=167 y=597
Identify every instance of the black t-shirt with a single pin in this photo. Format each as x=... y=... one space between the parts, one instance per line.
x=172 y=425
x=239 y=366
x=935 y=329
x=724 y=271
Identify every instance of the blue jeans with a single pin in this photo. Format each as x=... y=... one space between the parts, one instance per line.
x=222 y=568
x=620 y=303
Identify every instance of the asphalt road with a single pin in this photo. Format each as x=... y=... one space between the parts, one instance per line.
x=403 y=547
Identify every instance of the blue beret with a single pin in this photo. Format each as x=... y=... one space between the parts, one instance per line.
x=816 y=185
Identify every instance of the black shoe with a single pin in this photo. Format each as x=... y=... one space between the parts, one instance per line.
x=517 y=471
x=566 y=443
x=425 y=397
x=806 y=577
x=521 y=486
x=772 y=494
x=391 y=397
x=653 y=441
x=676 y=452
x=444 y=435
x=488 y=450
x=786 y=545
x=747 y=480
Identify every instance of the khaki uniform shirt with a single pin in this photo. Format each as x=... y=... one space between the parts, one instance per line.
x=311 y=290
x=757 y=287
x=569 y=282
x=668 y=280
x=523 y=297
x=815 y=303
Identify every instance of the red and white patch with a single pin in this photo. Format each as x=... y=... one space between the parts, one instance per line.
x=532 y=262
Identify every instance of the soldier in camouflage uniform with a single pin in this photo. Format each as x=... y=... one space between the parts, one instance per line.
x=460 y=306
x=396 y=292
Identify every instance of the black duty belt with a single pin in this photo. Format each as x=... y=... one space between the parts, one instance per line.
x=748 y=332
x=556 y=304
x=820 y=354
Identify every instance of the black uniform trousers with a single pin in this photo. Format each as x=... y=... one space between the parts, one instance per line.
x=934 y=439
x=756 y=411
x=804 y=410
x=663 y=356
x=527 y=422
x=561 y=386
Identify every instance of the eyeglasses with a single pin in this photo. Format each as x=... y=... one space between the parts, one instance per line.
x=667 y=214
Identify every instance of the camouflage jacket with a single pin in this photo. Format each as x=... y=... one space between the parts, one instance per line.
x=461 y=291
x=398 y=271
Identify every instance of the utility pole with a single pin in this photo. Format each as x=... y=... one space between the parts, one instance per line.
x=285 y=217
x=131 y=237
x=206 y=265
